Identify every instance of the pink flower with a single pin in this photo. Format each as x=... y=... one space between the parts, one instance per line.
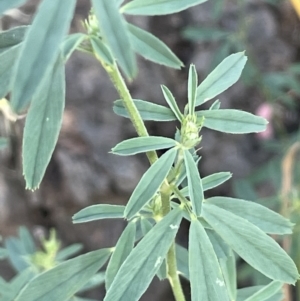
x=265 y=110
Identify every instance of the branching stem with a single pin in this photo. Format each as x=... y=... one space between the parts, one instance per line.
x=141 y=130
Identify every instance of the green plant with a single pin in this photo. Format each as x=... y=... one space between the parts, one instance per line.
x=28 y=261
x=170 y=190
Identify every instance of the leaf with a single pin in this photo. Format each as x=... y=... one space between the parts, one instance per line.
x=182 y=258
x=204 y=267
x=221 y=78
x=12 y=37
x=162 y=273
x=262 y=217
x=101 y=50
x=27 y=240
x=96 y=212
x=112 y=26
x=232 y=121
x=123 y=248
x=147 y=110
x=151 y=48
x=215 y=180
x=245 y=293
x=204 y=34
x=157 y=7
x=142 y=144
x=172 y=102
x=42 y=125
x=216 y=105
x=192 y=88
x=150 y=183
x=71 y=43
x=73 y=274
x=40 y=49
x=96 y=280
x=228 y=267
x=9 y=4
x=4 y=142
x=144 y=261
x=194 y=183
x=253 y=245
x=7 y=63
x=221 y=249
x=3 y=253
x=68 y=252
x=266 y=292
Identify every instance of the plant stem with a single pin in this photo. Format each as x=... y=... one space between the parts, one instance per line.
x=165 y=190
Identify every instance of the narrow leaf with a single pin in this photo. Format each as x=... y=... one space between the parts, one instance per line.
x=172 y=102
x=123 y=248
x=7 y=63
x=215 y=180
x=182 y=258
x=73 y=274
x=101 y=50
x=192 y=88
x=41 y=48
x=112 y=26
x=247 y=292
x=42 y=125
x=12 y=37
x=68 y=252
x=147 y=110
x=267 y=220
x=150 y=183
x=253 y=245
x=228 y=267
x=204 y=267
x=4 y=142
x=266 y=292
x=95 y=281
x=9 y=4
x=232 y=121
x=221 y=78
x=157 y=7
x=194 y=183
x=162 y=273
x=216 y=105
x=96 y=212
x=71 y=43
x=151 y=48
x=144 y=261
x=142 y=144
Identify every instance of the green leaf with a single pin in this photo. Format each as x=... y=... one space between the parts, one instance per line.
x=192 y=88
x=150 y=183
x=71 y=43
x=144 y=261
x=96 y=212
x=40 y=49
x=7 y=63
x=27 y=240
x=112 y=26
x=262 y=217
x=232 y=121
x=123 y=248
x=216 y=105
x=182 y=258
x=95 y=281
x=42 y=125
x=9 y=4
x=3 y=253
x=204 y=267
x=101 y=50
x=73 y=274
x=172 y=102
x=266 y=292
x=68 y=252
x=204 y=34
x=162 y=273
x=4 y=142
x=215 y=180
x=157 y=7
x=253 y=245
x=194 y=183
x=142 y=144
x=228 y=267
x=151 y=48
x=147 y=110
x=220 y=247
x=12 y=37
x=245 y=293
x=146 y=225
x=221 y=78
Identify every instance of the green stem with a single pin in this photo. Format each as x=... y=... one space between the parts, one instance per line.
x=165 y=190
